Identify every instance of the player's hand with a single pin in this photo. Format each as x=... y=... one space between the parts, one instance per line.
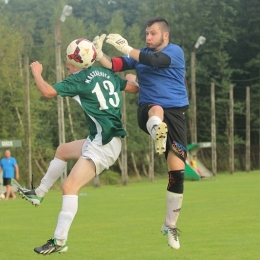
x=36 y=68
x=119 y=43
x=130 y=77
x=98 y=43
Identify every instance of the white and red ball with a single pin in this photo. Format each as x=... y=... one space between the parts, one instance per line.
x=81 y=53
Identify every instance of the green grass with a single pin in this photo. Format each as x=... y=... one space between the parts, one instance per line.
x=220 y=220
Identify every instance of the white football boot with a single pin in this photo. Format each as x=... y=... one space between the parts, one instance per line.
x=160 y=138
x=173 y=236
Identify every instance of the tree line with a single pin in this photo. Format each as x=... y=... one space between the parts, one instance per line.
x=230 y=55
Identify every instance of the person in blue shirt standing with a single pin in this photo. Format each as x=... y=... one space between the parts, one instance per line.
x=163 y=100
x=10 y=170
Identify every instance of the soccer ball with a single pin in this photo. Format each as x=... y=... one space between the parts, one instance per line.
x=2 y=196
x=81 y=53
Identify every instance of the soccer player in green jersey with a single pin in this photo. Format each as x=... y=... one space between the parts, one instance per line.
x=98 y=91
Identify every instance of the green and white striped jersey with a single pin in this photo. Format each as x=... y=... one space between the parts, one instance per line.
x=98 y=91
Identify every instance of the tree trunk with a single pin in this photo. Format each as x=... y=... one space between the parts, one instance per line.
x=70 y=119
x=39 y=167
x=135 y=168
x=144 y=170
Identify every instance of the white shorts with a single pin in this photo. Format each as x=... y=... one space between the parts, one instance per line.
x=102 y=155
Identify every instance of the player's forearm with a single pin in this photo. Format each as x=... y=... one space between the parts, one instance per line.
x=134 y=53
x=106 y=62
x=46 y=89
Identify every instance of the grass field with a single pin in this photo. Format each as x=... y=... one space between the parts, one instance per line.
x=220 y=219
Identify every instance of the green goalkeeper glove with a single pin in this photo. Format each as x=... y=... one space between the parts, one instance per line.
x=119 y=43
x=98 y=43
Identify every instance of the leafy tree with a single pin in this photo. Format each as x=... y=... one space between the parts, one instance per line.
x=229 y=56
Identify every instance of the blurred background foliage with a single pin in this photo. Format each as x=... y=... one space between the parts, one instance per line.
x=231 y=55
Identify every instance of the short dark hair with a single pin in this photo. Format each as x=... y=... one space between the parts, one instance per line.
x=158 y=19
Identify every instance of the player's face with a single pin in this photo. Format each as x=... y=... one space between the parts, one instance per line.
x=156 y=40
x=70 y=68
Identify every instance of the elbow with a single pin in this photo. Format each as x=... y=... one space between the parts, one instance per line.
x=47 y=94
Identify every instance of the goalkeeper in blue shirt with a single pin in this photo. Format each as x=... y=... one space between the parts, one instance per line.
x=163 y=100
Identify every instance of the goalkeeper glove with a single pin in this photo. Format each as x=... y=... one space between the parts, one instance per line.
x=119 y=43
x=98 y=43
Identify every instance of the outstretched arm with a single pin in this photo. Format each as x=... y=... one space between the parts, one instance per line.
x=106 y=61
x=103 y=59
x=121 y=44
x=46 y=89
x=118 y=42
x=158 y=59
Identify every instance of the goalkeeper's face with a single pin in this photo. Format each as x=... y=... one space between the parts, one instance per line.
x=156 y=39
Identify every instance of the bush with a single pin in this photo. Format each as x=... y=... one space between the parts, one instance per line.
x=109 y=177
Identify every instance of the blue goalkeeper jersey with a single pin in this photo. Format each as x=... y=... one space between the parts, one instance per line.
x=164 y=86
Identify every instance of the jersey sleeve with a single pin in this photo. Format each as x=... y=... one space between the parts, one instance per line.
x=70 y=86
x=157 y=59
x=176 y=55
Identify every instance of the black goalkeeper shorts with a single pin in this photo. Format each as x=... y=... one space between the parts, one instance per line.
x=176 y=124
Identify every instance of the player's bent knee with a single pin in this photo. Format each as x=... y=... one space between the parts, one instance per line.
x=69 y=188
x=60 y=151
x=176 y=180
